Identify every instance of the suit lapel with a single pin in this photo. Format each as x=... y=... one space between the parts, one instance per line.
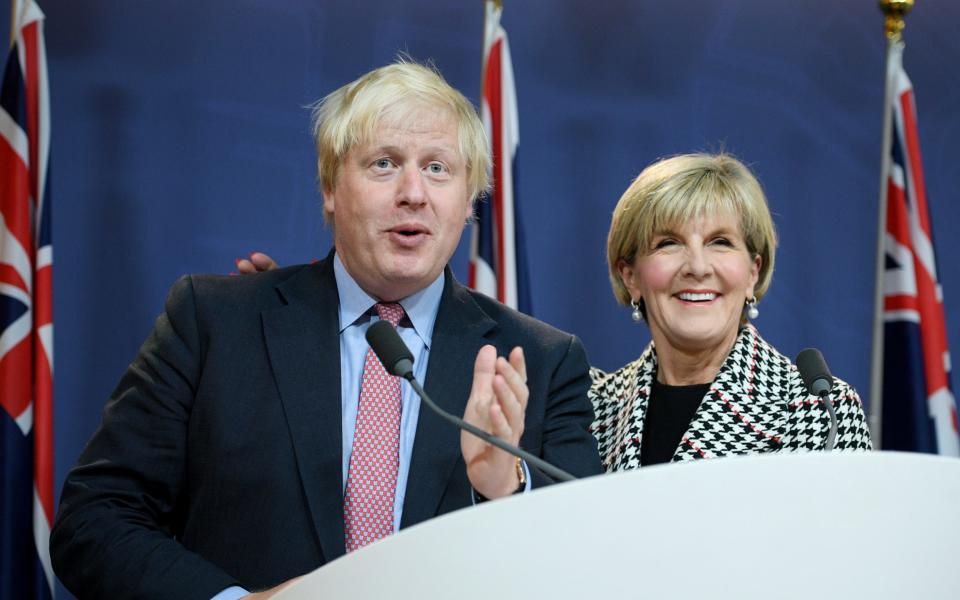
x=458 y=334
x=304 y=346
x=737 y=416
x=628 y=438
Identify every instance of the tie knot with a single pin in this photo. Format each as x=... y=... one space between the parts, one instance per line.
x=389 y=311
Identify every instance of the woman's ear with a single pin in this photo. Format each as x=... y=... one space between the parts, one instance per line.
x=754 y=275
x=628 y=276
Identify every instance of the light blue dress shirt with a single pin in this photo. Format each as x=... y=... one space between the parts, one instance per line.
x=416 y=329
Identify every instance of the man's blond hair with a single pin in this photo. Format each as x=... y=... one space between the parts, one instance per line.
x=350 y=116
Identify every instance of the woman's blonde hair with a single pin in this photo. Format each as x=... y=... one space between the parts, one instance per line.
x=678 y=189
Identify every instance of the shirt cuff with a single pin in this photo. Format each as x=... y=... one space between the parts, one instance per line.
x=231 y=593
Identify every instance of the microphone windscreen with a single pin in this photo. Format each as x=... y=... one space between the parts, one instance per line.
x=389 y=348
x=814 y=371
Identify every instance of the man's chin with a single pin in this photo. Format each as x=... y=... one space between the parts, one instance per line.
x=398 y=285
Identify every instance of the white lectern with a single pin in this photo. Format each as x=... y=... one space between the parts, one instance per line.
x=857 y=525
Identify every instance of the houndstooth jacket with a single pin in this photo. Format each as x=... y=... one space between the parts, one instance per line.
x=757 y=404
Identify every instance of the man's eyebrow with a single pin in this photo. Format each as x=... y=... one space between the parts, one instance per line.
x=376 y=149
x=397 y=149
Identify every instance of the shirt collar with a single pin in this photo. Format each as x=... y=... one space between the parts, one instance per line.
x=421 y=308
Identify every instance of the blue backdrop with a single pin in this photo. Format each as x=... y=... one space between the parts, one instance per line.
x=180 y=141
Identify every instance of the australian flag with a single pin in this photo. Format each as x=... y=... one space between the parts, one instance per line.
x=917 y=411
x=497 y=255
x=26 y=315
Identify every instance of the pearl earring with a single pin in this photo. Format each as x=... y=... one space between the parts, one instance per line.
x=636 y=315
x=752 y=312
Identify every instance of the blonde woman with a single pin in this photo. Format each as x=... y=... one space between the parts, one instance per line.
x=691 y=250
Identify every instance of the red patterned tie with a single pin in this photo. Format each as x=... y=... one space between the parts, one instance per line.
x=372 y=476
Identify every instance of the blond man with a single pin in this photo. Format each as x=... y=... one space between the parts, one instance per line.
x=227 y=460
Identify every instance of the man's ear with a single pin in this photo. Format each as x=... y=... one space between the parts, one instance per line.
x=471 y=206
x=329 y=201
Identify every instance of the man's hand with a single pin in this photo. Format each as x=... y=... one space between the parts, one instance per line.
x=264 y=595
x=257 y=262
x=497 y=404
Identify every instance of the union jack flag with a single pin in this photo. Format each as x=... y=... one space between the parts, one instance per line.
x=497 y=264
x=917 y=410
x=26 y=315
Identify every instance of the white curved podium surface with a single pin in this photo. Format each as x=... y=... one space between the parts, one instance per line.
x=860 y=525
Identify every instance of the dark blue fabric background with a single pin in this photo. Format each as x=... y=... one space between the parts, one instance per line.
x=180 y=141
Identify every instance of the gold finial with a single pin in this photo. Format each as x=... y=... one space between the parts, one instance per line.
x=895 y=11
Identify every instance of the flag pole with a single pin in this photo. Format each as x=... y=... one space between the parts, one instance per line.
x=475 y=278
x=498 y=5
x=894 y=12
x=13 y=22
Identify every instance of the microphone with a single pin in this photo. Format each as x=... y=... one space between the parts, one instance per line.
x=819 y=382
x=390 y=349
x=397 y=360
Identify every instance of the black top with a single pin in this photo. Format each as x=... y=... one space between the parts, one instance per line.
x=669 y=412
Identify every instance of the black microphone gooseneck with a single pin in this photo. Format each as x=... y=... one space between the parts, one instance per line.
x=819 y=382
x=397 y=360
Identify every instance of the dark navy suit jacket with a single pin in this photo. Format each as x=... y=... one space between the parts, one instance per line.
x=218 y=461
